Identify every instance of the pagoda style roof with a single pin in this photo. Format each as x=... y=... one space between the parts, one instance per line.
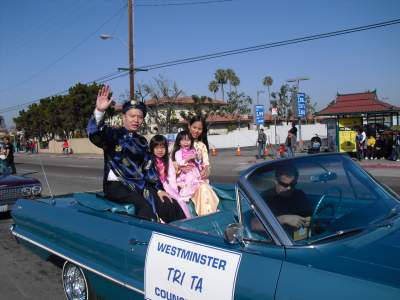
x=366 y=102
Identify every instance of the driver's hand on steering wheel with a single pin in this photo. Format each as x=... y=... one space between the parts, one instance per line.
x=294 y=220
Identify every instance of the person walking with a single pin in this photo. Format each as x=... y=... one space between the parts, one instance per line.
x=261 y=141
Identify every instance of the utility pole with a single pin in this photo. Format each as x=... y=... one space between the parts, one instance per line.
x=294 y=99
x=131 y=54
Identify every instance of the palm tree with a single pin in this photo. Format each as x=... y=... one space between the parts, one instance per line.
x=235 y=81
x=213 y=88
x=267 y=81
x=230 y=75
x=221 y=78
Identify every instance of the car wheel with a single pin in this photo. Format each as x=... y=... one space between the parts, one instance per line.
x=75 y=285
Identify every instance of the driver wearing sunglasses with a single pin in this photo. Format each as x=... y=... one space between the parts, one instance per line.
x=289 y=205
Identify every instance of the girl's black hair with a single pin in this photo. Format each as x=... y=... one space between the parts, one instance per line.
x=179 y=137
x=203 y=135
x=160 y=140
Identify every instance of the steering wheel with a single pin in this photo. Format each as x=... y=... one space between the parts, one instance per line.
x=317 y=220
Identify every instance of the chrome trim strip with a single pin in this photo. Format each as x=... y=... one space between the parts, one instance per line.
x=76 y=263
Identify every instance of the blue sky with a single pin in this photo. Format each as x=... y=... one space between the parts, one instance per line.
x=47 y=46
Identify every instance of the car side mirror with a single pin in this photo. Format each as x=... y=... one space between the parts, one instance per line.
x=234 y=233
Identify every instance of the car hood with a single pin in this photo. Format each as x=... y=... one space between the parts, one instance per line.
x=373 y=255
x=12 y=180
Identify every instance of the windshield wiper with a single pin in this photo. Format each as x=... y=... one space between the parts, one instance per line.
x=338 y=234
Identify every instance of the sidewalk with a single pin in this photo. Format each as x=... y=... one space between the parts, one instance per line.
x=248 y=155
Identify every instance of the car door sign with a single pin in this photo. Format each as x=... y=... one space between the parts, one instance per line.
x=182 y=270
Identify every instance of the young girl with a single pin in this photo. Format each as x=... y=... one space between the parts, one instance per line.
x=166 y=170
x=189 y=180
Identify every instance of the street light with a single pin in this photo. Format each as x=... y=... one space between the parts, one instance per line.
x=258 y=94
x=131 y=68
x=297 y=81
x=110 y=37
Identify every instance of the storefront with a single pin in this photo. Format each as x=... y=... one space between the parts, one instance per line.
x=350 y=112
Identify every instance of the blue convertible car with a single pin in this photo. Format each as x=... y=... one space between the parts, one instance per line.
x=315 y=227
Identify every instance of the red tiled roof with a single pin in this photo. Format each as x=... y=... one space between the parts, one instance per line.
x=357 y=103
x=183 y=101
x=225 y=119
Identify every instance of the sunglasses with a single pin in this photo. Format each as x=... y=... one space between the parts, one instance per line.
x=286 y=185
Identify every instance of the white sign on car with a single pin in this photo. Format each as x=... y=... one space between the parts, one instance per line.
x=181 y=269
x=4 y=208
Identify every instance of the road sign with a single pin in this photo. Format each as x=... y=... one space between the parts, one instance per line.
x=259 y=114
x=301 y=105
x=274 y=111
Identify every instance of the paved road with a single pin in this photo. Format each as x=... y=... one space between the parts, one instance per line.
x=66 y=174
x=25 y=276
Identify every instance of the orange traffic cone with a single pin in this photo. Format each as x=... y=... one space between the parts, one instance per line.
x=238 y=151
x=214 y=151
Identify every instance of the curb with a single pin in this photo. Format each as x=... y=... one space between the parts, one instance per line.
x=380 y=166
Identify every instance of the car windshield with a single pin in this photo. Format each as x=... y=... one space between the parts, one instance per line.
x=316 y=197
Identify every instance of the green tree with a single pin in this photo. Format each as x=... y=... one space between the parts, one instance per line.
x=235 y=81
x=281 y=101
x=268 y=81
x=59 y=116
x=165 y=94
x=213 y=88
x=238 y=104
x=232 y=79
x=221 y=78
x=203 y=106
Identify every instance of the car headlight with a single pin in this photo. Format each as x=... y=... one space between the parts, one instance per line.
x=36 y=190
x=26 y=191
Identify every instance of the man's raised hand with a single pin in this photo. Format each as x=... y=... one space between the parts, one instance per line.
x=103 y=101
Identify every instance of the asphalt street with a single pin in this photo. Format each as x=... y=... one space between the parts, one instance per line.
x=25 y=276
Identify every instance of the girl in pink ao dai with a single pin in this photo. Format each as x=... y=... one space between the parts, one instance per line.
x=166 y=170
x=189 y=178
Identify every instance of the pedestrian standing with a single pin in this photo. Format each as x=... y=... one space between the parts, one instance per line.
x=360 y=143
x=370 y=147
x=397 y=145
x=65 y=147
x=293 y=141
x=289 y=144
x=9 y=147
x=261 y=141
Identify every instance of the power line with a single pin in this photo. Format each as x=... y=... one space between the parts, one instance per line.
x=182 y=3
x=50 y=26
x=269 y=45
x=68 y=52
x=115 y=75
x=99 y=80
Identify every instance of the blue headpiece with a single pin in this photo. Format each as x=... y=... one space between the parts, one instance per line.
x=134 y=104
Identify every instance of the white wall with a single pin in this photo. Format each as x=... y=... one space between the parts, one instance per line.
x=247 y=138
